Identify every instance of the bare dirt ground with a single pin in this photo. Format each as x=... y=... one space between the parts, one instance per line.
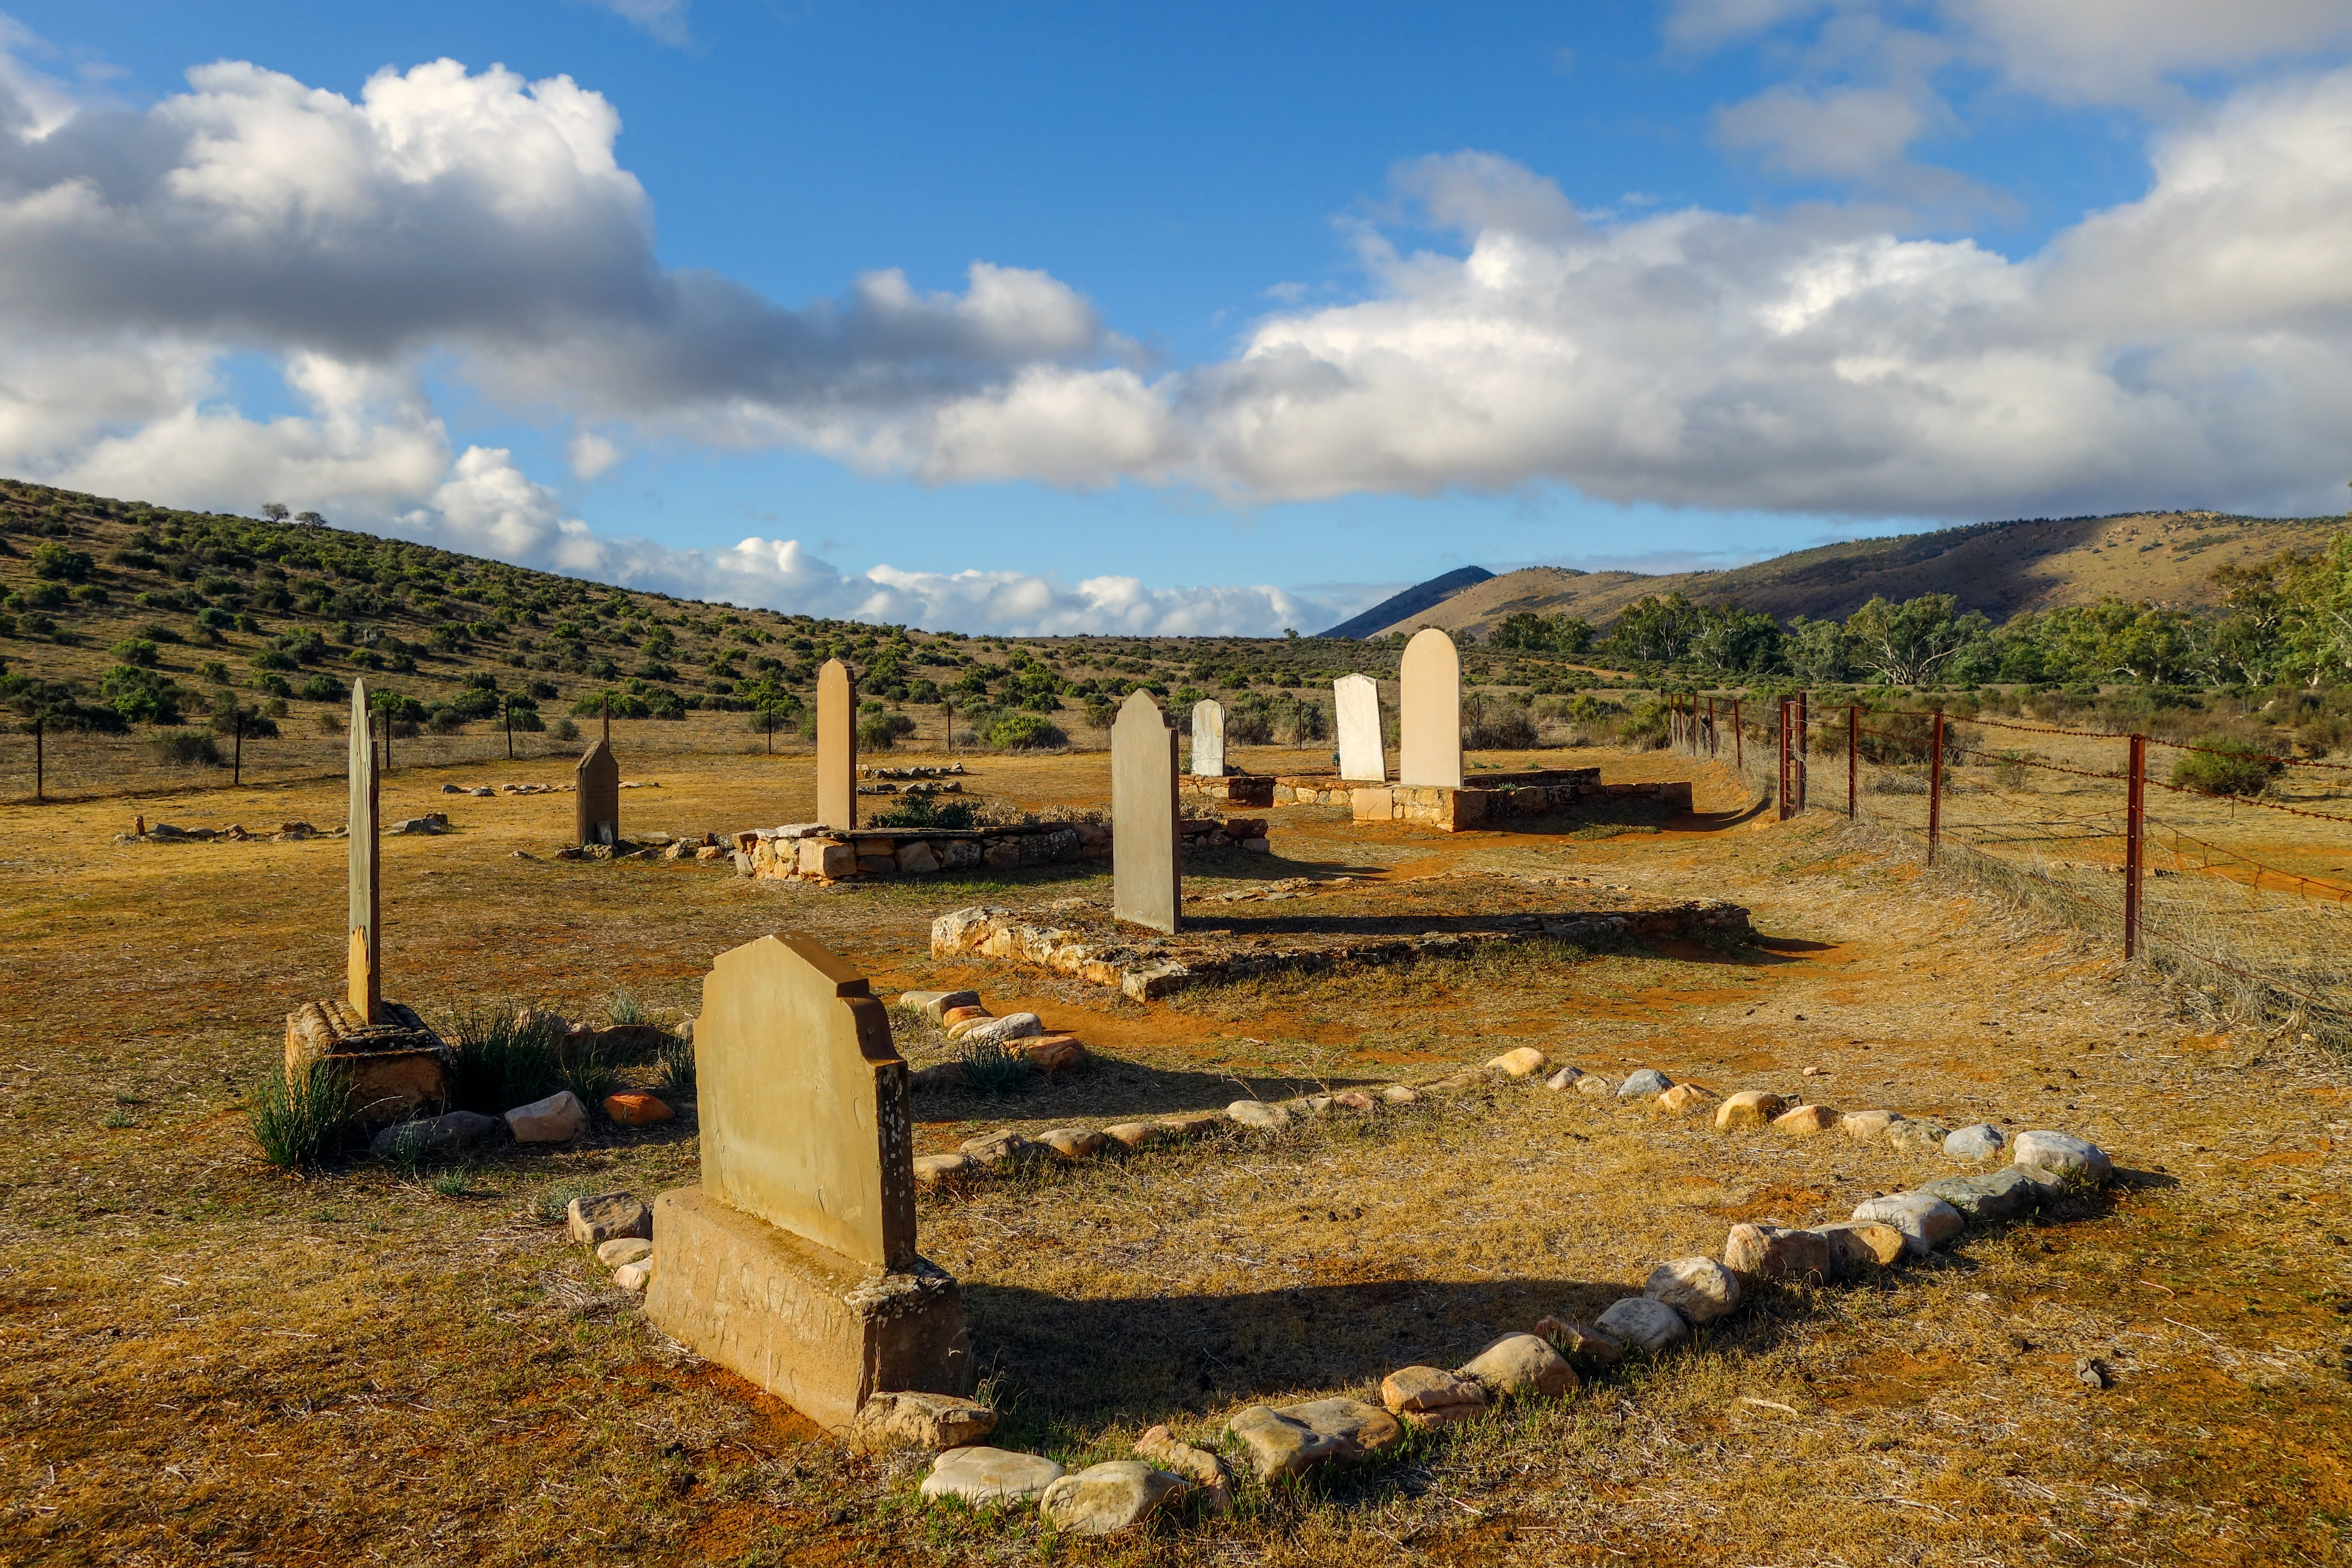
x=203 y=1360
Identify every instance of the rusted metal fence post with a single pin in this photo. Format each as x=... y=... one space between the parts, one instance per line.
x=509 y=706
x=1783 y=791
x=608 y=718
x=387 y=739
x=236 y=756
x=1853 y=754
x=1802 y=747
x=1936 y=789
x=40 y=760
x=1710 y=726
x=1739 y=741
x=2135 y=842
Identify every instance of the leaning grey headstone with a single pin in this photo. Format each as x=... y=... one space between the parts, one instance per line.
x=1208 y=739
x=1356 y=704
x=596 y=806
x=1145 y=881
x=1429 y=711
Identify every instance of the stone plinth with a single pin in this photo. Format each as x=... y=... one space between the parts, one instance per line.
x=1429 y=711
x=1356 y=705
x=796 y=1319
x=396 y=1066
x=1452 y=810
x=1145 y=880
x=837 y=746
x=596 y=808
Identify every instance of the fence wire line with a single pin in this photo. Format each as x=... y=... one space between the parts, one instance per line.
x=2246 y=800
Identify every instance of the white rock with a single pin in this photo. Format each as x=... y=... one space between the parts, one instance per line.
x=1521 y=1364
x=1638 y=1320
x=1105 y=1499
x=1926 y=1220
x=990 y=1475
x=2062 y=1153
x=1700 y=1289
x=558 y=1119
x=1259 y=1114
x=625 y=1249
x=633 y=1277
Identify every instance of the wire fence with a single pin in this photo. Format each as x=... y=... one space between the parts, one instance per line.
x=2243 y=901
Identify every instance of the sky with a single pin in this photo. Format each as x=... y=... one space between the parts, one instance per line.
x=1050 y=318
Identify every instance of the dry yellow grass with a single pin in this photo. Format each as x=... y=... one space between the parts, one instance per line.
x=203 y=1360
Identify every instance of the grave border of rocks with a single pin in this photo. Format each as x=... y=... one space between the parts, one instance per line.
x=1143 y=970
x=1679 y=1297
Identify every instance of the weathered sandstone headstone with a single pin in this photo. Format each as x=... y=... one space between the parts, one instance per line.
x=1356 y=705
x=365 y=989
x=596 y=805
x=1208 y=739
x=1429 y=712
x=1145 y=880
x=793 y=1263
x=837 y=746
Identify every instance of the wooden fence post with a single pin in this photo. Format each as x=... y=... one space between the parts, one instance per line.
x=1783 y=790
x=2134 y=843
x=40 y=759
x=236 y=763
x=1739 y=741
x=1936 y=789
x=1801 y=747
x=509 y=706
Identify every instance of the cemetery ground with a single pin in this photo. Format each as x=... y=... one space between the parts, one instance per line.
x=205 y=1359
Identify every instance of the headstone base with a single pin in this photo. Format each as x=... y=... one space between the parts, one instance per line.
x=396 y=1067
x=817 y=1331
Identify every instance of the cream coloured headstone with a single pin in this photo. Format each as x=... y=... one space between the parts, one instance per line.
x=1208 y=739
x=1429 y=711
x=794 y=1263
x=365 y=977
x=1145 y=881
x=803 y=1099
x=1356 y=704
x=837 y=746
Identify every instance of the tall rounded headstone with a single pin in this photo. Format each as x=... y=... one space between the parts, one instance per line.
x=1429 y=711
x=1145 y=881
x=1208 y=739
x=1356 y=705
x=837 y=746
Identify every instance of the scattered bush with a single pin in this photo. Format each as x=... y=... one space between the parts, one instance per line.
x=924 y=808
x=1026 y=732
x=299 y=1121
x=324 y=688
x=56 y=564
x=1500 y=727
x=138 y=651
x=2227 y=766
x=565 y=730
x=184 y=749
x=879 y=731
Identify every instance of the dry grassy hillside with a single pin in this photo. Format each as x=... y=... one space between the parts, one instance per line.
x=2000 y=568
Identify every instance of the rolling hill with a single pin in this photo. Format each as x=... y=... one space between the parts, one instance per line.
x=2000 y=568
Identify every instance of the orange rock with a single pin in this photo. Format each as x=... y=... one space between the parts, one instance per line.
x=1681 y=1098
x=1052 y=1053
x=1805 y=1121
x=635 y=1108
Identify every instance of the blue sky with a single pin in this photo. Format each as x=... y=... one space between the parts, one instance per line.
x=1286 y=309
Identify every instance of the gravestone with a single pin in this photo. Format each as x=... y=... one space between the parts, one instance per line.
x=364 y=989
x=1208 y=739
x=793 y=1263
x=596 y=806
x=837 y=746
x=1145 y=883
x=1356 y=704
x=394 y=1065
x=1429 y=712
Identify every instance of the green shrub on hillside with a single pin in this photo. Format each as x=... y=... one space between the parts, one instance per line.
x=1026 y=731
x=2226 y=765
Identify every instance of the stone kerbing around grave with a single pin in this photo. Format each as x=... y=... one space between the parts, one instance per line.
x=793 y=1264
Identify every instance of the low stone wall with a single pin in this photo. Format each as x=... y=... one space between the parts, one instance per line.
x=1452 y=810
x=814 y=853
x=1252 y=791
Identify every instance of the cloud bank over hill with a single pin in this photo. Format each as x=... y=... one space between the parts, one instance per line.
x=2192 y=345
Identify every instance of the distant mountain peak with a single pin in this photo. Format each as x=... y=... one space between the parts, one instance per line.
x=1412 y=602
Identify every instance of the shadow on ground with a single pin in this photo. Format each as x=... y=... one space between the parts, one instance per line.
x=1111 y=1090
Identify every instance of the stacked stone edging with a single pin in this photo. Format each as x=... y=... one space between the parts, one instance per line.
x=813 y=852
x=1144 y=971
x=1678 y=1297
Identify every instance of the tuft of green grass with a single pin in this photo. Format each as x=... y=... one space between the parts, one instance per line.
x=625 y=1010
x=990 y=1068
x=592 y=1074
x=674 y=1068
x=497 y=1061
x=299 y=1120
x=118 y=1119
x=450 y=1184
